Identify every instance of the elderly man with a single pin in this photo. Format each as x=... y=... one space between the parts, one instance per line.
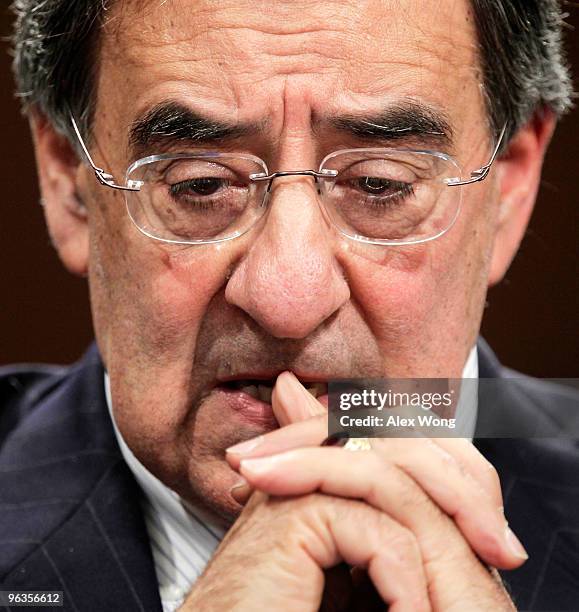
x=266 y=196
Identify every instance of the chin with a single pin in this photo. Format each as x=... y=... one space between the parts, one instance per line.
x=209 y=486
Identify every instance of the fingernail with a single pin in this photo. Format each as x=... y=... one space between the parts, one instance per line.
x=515 y=545
x=294 y=392
x=240 y=491
x=256 y=467
x=243 y=448
x=290 y=387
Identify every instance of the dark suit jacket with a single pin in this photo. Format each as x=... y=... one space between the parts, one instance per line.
x=70 y=518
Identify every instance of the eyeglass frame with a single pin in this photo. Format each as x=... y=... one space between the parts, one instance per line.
x=106 y=179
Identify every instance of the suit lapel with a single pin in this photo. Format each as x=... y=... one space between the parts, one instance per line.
x=70 y=517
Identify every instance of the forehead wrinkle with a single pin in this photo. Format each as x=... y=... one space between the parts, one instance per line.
x=163 y=27
x=159 y=27
x=162 y=30
x=314 y=13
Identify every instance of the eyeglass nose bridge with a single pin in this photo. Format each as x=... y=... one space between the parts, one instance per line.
x=318 y=176
x=323 y=174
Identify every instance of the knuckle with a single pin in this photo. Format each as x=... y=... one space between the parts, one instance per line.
x=374 y=462
x=413 y=500
x=311 y=508
x=400 y=543
x=309 y=525
x=288 y=519
x=493 y=478
x=336 y=508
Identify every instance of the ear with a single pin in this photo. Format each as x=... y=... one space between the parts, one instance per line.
x=65 y=214
x=519 y=172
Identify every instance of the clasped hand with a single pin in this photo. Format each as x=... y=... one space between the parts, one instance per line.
x=421 y=519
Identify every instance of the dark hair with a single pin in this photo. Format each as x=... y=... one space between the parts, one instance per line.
x=520 y=42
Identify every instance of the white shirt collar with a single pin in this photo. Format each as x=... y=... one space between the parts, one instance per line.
x=183 y=538
x=467 y=410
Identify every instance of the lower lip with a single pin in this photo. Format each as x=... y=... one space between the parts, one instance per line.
x=252 y=409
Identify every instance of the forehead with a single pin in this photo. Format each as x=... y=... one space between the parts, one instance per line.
x=264 y=61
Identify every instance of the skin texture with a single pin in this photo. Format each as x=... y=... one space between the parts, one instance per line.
x=170 y=319
x=292 y=294
x=393 y=513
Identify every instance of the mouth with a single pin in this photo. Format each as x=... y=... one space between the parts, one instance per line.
x=261 y=389
x=250 y=397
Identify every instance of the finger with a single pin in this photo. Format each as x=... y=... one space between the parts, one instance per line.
x=451 y=461
x=241 y=492
x=359 y=535
x=311 y=432
x=292 y=402
x=387 y=487
x=444 y=477
x=301 y=417
x=467 y=455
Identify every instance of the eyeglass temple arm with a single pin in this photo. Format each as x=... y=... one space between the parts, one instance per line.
x=481 y=173
x=107 y=179
x=104 y=178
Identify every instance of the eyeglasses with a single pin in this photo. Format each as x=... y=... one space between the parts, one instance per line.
x=378 y=196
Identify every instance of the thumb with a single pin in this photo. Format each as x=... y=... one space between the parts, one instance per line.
x=291 y=402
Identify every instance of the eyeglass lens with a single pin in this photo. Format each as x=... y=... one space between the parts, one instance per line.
x=377 y=196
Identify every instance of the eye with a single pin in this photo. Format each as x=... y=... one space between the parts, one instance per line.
x=204 y=186
x=375 y=185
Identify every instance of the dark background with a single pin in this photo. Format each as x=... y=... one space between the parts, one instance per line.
x=531 y=321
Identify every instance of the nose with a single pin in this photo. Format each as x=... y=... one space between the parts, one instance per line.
x=289 y=280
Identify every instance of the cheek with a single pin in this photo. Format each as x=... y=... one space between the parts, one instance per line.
x=151 y=304
x=168 y=296
x=179 y=289
x=392 y=286
x=148 y=297
x=425 y=298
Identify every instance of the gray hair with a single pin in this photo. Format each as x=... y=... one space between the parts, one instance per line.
x=56 y=46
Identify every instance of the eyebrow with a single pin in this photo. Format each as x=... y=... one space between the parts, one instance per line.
x=171 y=122
x=406 y=121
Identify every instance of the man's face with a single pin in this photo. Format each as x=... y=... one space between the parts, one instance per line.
x=174 y=322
